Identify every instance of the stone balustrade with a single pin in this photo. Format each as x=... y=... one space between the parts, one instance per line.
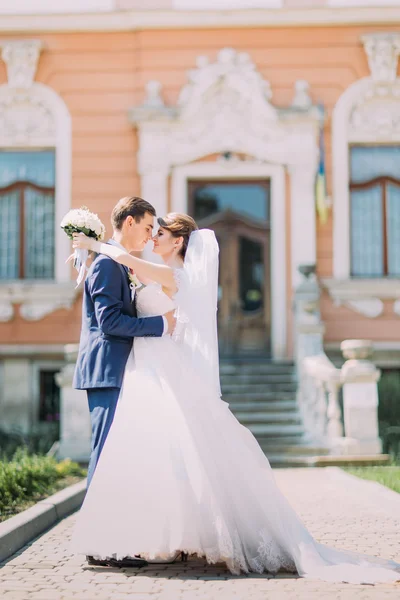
x=323 y=388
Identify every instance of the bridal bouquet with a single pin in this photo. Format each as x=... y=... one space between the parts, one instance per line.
x=82 y=220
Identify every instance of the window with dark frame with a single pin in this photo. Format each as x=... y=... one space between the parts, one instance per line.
x=375 y=211
x=49 y=396
x=27 y=213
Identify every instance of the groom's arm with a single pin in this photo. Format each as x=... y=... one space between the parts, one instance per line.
x=104 y=286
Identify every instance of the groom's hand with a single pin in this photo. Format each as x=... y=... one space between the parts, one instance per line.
x=171 y=321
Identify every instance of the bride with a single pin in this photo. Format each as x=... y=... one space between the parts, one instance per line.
x=178 y=472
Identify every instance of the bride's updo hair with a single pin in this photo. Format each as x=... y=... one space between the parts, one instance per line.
x=179 y=225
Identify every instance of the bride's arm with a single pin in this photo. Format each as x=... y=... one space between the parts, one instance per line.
x=142 y=268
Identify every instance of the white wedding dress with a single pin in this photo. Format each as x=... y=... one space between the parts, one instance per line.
x=179 y=472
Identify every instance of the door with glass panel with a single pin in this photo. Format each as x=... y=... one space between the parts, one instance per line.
x=239 y=213
x=375 y=211
x=27 y=215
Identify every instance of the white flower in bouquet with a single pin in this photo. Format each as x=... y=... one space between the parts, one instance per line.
x=82 y=220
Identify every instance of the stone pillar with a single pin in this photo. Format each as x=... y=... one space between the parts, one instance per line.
x=154 y=189
x=303 y=221
x=75 y=428
x=360 y=397
x=309 y=329
x=17 y=395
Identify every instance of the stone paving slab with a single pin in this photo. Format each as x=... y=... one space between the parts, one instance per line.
x=338 y=509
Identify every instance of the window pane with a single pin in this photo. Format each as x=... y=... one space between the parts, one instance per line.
x=39 y=234
x=49 y=406
x=35 y=166
x=10 y=235
x=247 y=199
x=366 y=232
x=368 y=162
x=393 y=228
x=251 y=274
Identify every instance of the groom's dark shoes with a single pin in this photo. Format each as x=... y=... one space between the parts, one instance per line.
x=127 y=562
x=134 y=563
x=95 y=562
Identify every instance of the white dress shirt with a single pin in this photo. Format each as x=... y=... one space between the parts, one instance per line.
x=114 y=243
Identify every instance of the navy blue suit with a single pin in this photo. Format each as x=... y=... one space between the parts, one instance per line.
x=109 y=324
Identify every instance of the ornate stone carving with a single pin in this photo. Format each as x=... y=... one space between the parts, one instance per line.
x=369 y=307
x=225 y=106
x=377 y=111
x=382 y=51
x=21 y=58
x=223 y=90
x=302 y=99
x=23 y=118
x=396 y=307
x=35 y=300
x=6 y=311
x=153 y=94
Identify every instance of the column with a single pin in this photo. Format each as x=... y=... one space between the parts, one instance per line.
x=154 y=189
x=360 y=397
x=75 y=430
x=303 y=219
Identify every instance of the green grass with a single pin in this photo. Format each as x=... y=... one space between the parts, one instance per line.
x=387 y=476
x=27 y=478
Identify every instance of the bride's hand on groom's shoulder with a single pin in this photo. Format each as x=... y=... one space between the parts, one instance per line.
x=171 y=321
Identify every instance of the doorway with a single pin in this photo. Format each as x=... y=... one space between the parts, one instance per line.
x=239 y=212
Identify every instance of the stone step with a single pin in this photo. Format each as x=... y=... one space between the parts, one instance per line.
x=240 y=388
x=266 y=407
x=259 y=378
x=252 y=369
x=278 y=461
x=299 y=449
x=254 y=418
x=281 y=431
x=259 y=397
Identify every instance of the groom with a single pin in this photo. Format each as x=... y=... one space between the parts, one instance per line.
x=109 y=324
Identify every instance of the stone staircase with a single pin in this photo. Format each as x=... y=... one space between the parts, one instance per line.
x=262 y=395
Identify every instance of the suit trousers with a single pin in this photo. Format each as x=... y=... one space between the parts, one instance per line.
x=102 y=405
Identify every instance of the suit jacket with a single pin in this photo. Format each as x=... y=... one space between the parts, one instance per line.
x=109 y=324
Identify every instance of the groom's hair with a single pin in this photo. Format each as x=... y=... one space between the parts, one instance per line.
x=130 y=206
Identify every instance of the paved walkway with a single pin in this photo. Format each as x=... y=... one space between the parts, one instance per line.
x=338 y=509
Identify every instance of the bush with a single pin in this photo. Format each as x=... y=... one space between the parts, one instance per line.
x=389 y=410
x=37 y=442
x=29 y=477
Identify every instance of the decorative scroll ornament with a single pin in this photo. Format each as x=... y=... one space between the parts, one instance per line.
x=377 y=112
x=24 y=118
x=21 y=58
x=382 y=51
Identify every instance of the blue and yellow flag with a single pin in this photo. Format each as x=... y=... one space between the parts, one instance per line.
x=320 y=188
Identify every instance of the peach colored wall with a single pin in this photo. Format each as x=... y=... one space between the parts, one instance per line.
x=101 y=75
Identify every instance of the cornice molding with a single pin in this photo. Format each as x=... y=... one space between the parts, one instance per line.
x=167 y=19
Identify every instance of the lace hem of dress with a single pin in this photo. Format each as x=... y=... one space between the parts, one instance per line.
x=268 y=556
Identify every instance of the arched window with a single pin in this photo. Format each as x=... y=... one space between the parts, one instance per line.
x=366 y=168
x=35 y=188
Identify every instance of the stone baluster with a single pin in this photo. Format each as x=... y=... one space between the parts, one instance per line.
x=74 y=417
x=334 y=414
x=360 y=397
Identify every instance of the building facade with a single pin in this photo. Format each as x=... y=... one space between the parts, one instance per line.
x=230 y=111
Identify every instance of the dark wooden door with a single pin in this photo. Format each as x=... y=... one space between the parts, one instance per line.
x=238 y=212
